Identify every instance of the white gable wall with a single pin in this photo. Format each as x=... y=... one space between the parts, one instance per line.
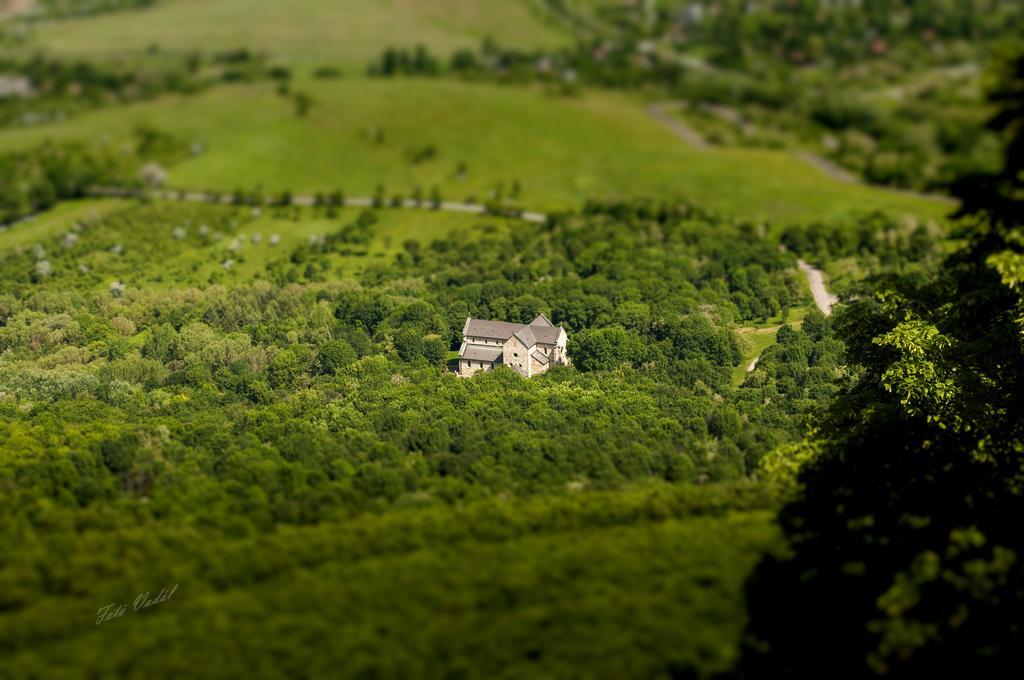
x=517 y=356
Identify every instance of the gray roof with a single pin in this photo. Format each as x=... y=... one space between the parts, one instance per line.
x=480 y=353
x=539 y=330
x=525 y=335
x=495 y=330
x=545 y=334
x=541 y=358
x=542 y=320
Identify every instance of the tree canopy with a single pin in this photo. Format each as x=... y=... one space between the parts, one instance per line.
x=905 y=557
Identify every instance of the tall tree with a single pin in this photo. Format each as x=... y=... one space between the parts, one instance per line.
x=907 y=557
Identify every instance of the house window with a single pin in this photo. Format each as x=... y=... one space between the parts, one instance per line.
x=515 y=354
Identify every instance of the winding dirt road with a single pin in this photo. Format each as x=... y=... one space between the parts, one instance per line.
x=823 y=300
x=816 y=279
x=828 y=167
x=661 y=112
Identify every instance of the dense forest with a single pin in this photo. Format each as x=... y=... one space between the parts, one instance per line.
x=666 y=327
x=221 y=415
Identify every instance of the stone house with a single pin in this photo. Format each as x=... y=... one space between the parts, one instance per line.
x=530 y=348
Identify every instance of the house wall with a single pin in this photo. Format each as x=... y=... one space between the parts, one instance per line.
x=472 y=339
x=517 y=356
x=538 y=367
x=469 y=367
x=555 y=352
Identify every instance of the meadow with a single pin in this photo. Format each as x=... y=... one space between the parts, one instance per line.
x=40 y=228
x=305 y=31
x=251 y=240
x=560 y=151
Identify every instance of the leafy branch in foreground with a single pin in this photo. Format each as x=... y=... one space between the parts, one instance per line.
x=905 y=560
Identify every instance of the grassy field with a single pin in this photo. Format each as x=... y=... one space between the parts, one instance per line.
x=258 y=240
x=392 y=229
x=754 y=341
x=305 y=31
x=361 y=133
x=41 y=227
